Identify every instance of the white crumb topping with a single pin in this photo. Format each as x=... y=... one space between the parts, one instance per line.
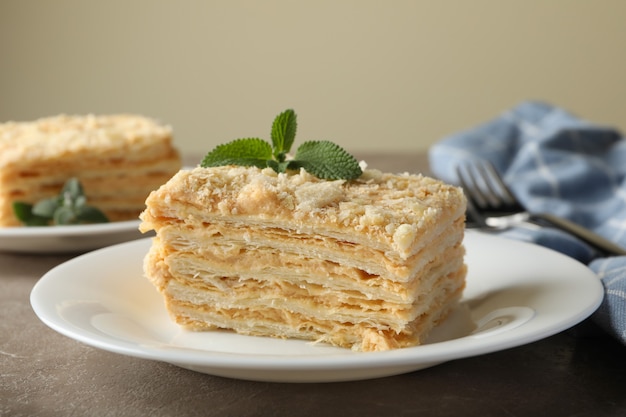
x=404 y=236
x=383 y=206
x=63 y=135
x=310 y=196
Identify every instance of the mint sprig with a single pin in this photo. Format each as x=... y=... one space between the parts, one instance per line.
x=244 y=152
x=69 y=207
x=283 y=134
x=324 y=159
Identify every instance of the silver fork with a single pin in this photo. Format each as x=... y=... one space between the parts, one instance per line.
x=492 y=204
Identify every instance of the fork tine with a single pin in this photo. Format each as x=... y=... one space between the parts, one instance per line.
x=484 y=185
x=497 y=185
x=469 y=185
x=512 y=211
x=472 y=212
x=475 y=186
x=483 y=172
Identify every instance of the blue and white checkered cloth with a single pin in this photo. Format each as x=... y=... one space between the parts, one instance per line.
x=557 y=163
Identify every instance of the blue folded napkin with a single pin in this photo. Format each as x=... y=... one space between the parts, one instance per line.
x=558 y=163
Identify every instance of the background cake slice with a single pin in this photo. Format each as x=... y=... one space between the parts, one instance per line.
x=368 y=264
x=118 y=159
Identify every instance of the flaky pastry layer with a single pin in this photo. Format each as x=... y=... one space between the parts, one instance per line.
x=119 y=159
x=369 y=264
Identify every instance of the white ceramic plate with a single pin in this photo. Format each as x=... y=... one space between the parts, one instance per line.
x=67 y=239
x=516 y=293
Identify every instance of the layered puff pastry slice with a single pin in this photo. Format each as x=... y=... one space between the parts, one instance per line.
x=119 y=159
x=368 y=264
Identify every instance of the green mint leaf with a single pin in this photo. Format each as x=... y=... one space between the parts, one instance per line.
x=326 y=160
x=244 y=152
x=323 y=159
x=64 y=215
x=80 y=201
x=23 y=212
x=283 y=133
x=45 y=208
x=69 y=207
x=73 y=188
x=90 y=214
x=38 y=221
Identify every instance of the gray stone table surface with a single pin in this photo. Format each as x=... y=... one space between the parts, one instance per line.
x=580 y=372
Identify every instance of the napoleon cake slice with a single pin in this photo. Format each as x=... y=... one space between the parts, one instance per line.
x=119 y=159
x=368 y=264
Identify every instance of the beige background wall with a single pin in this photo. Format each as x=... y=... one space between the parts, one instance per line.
x=370 y=75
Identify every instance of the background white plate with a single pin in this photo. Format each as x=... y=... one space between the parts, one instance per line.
x=67 y=239
x=516 y=293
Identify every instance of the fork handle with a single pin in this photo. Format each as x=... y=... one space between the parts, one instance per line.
x=582 y=233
